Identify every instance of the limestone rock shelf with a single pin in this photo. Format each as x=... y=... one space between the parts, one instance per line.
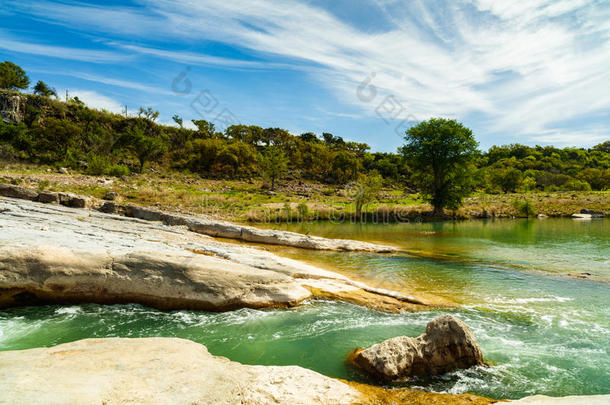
x=56 y=254
x=177 y=371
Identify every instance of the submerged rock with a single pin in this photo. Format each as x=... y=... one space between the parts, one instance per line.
x=448 y=344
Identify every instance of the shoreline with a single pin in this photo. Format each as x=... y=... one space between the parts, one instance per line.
x=246 y=202
x=58 y=254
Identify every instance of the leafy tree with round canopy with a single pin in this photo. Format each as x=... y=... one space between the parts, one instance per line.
x=508 y=179
x=146 y=148
x=442 y=153
x=13 y=77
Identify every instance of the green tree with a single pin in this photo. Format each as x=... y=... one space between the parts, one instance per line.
x=206 y=130
x=42 y=89
x=53 y=137
x=442 y=153
x=508 y=179
x=13 y=77
x=273 y=163
x=365 y=190
x=145 y=147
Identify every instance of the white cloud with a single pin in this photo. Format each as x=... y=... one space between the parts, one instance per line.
x=525 y=66
x=94 y=100
x=86 y=55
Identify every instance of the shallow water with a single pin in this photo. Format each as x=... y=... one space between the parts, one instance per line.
x=545 y=334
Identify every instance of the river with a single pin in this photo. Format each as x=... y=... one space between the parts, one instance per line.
x=545 y=330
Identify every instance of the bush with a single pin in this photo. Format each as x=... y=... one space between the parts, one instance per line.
x=303 y=211
x=97 y=165
x=528 y=184
x=118 y=170
x=524 y=208
x=577 y=185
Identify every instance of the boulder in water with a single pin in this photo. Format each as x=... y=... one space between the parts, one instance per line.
x=448 y=344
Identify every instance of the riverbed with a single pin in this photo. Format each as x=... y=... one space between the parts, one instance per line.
x=535 y=293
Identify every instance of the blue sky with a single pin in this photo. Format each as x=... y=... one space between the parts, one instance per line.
x=531 y=71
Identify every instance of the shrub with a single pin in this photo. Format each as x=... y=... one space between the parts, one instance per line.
x=303 y=211
x=97 y=165
x=524 y=208
x=118 y=170
x=43 y=185
x=577 y=185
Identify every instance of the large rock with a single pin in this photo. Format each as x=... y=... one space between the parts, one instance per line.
x=55 y=254
x=156 y=371
x=594 y=214
x=48 y=197
x=223 y=229
x=176 y=371
x=448 y=344
x=74 y=200
x=12 y=106
x=569 y=400
x=10 y=190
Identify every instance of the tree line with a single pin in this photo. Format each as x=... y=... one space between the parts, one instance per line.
x=440 y=158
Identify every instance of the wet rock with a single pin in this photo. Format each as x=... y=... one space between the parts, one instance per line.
x=10 y=190
x=594 y=214
x=448 y=344
x=48 y=197
x=582 y=216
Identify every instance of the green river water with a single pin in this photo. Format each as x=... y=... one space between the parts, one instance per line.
x=544 y=332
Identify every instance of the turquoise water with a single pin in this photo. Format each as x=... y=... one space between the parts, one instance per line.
x=544 y=333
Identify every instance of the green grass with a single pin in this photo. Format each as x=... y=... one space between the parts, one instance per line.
x=248 y=200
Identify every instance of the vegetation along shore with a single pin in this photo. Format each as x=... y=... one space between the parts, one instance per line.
x=249 y=173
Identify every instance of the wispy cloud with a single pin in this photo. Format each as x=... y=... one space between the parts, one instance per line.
x=85 y=55
x=526 y=67
x=120 y=83
x=200 y=59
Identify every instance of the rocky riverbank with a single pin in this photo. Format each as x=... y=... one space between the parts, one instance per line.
x=177 y=371
x=56 y=254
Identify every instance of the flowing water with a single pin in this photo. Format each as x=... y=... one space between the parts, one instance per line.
x=544 y=331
